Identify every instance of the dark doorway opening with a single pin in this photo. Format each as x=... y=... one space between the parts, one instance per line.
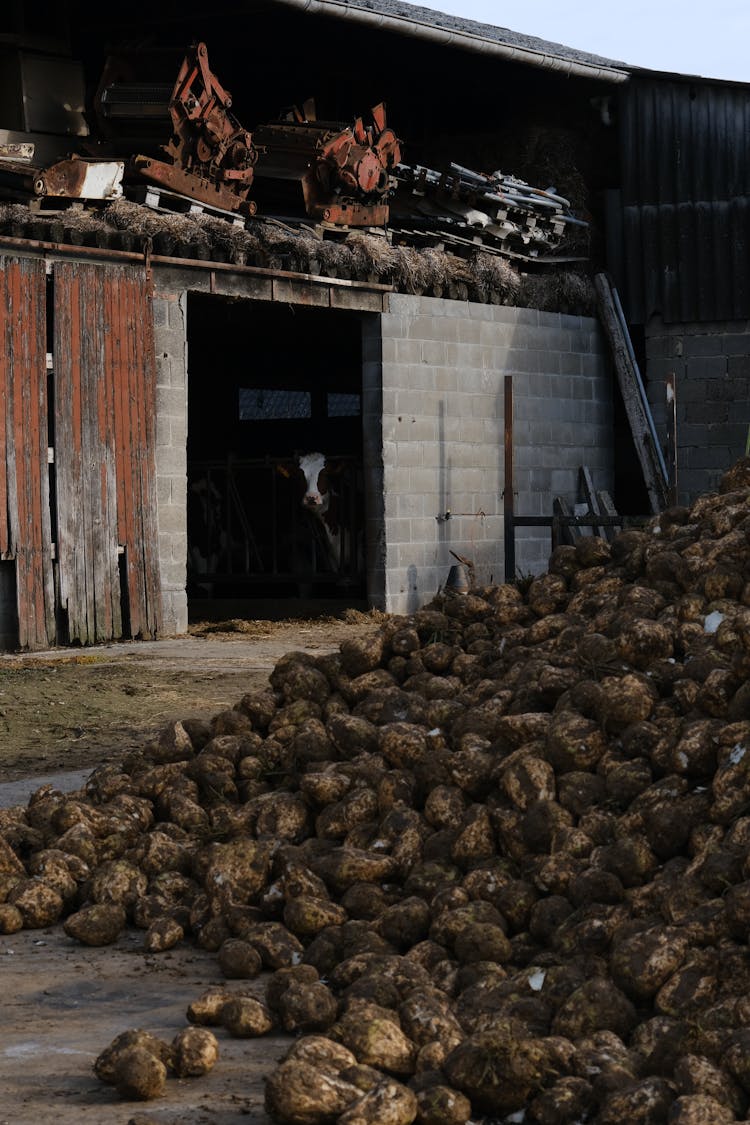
x=267 y=384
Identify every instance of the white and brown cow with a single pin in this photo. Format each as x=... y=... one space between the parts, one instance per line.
x=321 y=499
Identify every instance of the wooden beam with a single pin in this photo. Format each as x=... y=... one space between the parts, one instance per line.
x=628 y=377
x=586 y=485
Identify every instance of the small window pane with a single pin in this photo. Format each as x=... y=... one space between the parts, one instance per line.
x=343 y=406
x=273 y=405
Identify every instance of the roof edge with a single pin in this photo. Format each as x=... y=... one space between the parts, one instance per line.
x=467 y=40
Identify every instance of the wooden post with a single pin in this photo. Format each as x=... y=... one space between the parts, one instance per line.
x=508 y=513
x=672 y=436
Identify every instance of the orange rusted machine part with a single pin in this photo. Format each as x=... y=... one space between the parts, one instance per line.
x=344 y=170
x=209 y=156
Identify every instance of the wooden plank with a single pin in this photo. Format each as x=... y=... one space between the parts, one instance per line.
x=152 y=576
x=107 y=594
x=134 y=531
x=35 y=281
x=89 y=450
x=86 y=362
x=66 y=365
x=72 y=499
x=586 y=485
x=607 y=507
x=20 y=499
x=26 y=450
x=123 y=443
x=137 y=458
x=563 y=532
x=5 y=550
x=109 y=482
x=641 y=425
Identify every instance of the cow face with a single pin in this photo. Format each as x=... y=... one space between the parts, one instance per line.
x=317 y=498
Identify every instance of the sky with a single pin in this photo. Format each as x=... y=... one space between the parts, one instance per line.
x=688 y=36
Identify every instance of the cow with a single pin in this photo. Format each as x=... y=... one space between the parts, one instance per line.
x=323 y=483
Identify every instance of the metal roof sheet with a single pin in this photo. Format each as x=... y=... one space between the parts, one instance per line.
x=685 y=200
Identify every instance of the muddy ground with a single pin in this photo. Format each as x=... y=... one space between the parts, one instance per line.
x=62 y=1002
x=74 y=709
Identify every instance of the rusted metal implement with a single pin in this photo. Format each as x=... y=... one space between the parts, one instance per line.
x=209 y=156
x=182 y=148
x=73 y=178
x=344 y=171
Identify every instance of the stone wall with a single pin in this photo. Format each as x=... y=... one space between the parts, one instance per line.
x=443 y=368
x=711 y=364
x=170 y=334
x=433 y=386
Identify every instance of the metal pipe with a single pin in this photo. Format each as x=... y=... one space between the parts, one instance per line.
x=509 y=528
x=465 y=40
x=671 y=390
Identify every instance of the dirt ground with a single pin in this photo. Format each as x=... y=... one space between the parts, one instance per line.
x=75 y=709
x=63 y=1003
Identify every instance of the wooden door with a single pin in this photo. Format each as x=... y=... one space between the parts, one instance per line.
x=25 y=531
x=105 y=437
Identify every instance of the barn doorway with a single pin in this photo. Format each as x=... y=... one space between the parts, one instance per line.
x=268 y=383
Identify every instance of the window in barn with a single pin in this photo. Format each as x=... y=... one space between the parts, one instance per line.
x=344 y=406
x=273 y=405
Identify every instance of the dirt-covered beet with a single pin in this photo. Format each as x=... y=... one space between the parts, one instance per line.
x=495 y=856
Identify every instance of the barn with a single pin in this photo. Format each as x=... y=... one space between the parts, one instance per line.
x=160 y=379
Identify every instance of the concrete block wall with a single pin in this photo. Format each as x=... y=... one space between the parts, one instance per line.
x=170 y=335
x=711 y=365
x=441 y=417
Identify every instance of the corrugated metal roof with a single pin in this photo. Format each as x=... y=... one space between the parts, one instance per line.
x=685 y=200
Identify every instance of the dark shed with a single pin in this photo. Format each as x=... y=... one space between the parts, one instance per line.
x=681 y=226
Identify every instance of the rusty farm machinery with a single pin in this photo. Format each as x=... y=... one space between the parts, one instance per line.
x=181 y=146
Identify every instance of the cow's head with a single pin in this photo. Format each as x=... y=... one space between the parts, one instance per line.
x=317 y=497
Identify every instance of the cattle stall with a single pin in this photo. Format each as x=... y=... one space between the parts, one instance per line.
x=267 y=385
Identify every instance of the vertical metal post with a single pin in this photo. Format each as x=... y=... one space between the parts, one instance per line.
x=672 y=436
x=508 y=514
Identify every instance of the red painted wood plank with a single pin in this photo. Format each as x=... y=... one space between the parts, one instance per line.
x=4 y=409
x=28 y=495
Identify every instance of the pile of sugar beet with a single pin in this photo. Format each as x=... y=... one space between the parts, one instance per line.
x=496 y=854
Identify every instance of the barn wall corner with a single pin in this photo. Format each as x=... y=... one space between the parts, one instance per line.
x=710 y=365
x=170 y=333
x=443 y=369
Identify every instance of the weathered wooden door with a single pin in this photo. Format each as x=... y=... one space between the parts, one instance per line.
x=25 y=533
x=105 y=436
x=83 y=532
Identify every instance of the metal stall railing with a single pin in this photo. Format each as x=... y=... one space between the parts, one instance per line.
x=248 y=528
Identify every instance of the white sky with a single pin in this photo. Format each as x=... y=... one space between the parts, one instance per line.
x=687 y=36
